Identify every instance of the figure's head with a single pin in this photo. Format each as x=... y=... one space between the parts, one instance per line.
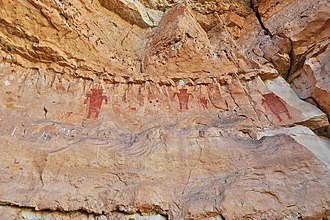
x=182 y=83
x=183 y=90
x=269 y=95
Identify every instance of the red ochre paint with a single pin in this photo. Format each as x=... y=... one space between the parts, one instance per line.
x=276 y=105
x=183 y=96
x=204 y=102
x=94 y=99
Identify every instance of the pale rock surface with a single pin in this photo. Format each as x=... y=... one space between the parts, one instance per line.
x=306 y=113
x=134 y=12
x=320 y=146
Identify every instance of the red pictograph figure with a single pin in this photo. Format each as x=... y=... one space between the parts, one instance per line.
x=203 y=101
x=94 y=99
x=183 y=96
x=276 y=105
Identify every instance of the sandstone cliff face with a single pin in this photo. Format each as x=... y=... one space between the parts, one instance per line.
x=164 y=110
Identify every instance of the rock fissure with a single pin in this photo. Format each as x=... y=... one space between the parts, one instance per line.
x=292 y=56
x=79 y=213
x=35 y=209
x=193 y=167
x=254 y=6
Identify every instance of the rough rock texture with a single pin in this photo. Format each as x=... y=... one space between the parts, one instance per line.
x=272 y=178
x=293 y=36
x=164 y=110
x=312 y=81
x=304 y=136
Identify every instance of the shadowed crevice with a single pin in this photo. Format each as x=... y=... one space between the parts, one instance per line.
x=254 y=6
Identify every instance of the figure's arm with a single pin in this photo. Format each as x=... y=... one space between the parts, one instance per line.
x=190 y=94
x=282 y=101
x=175 y=94
x=86 y=99
x=105 y=99
x=88 y=95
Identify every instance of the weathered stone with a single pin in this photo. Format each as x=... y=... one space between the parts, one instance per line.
x=178 y=38
x=313 y=81
x=320 y=146
x=232 y=19
x=157 y=110
x=134 y=12
x=56 y=180
x=295 y=109
x=293 y=21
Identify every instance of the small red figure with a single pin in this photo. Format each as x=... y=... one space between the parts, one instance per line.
x=94 y=98
x=203 y=101
x=183 y=96
x=276 y=105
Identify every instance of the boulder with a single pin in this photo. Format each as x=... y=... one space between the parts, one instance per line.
x=295 y=110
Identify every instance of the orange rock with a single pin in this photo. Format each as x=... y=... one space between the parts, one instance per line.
x=162 y=110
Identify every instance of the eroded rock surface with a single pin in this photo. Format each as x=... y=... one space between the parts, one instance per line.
x=173 y=176
x=293 y=36
x=164 y=110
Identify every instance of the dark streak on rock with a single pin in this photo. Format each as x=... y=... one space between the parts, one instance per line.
x=254 y=6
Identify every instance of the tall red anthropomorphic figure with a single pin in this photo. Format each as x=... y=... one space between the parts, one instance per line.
x=183 y=96
x=94 y=99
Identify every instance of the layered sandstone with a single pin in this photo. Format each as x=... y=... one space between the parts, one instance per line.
x=164 y=110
